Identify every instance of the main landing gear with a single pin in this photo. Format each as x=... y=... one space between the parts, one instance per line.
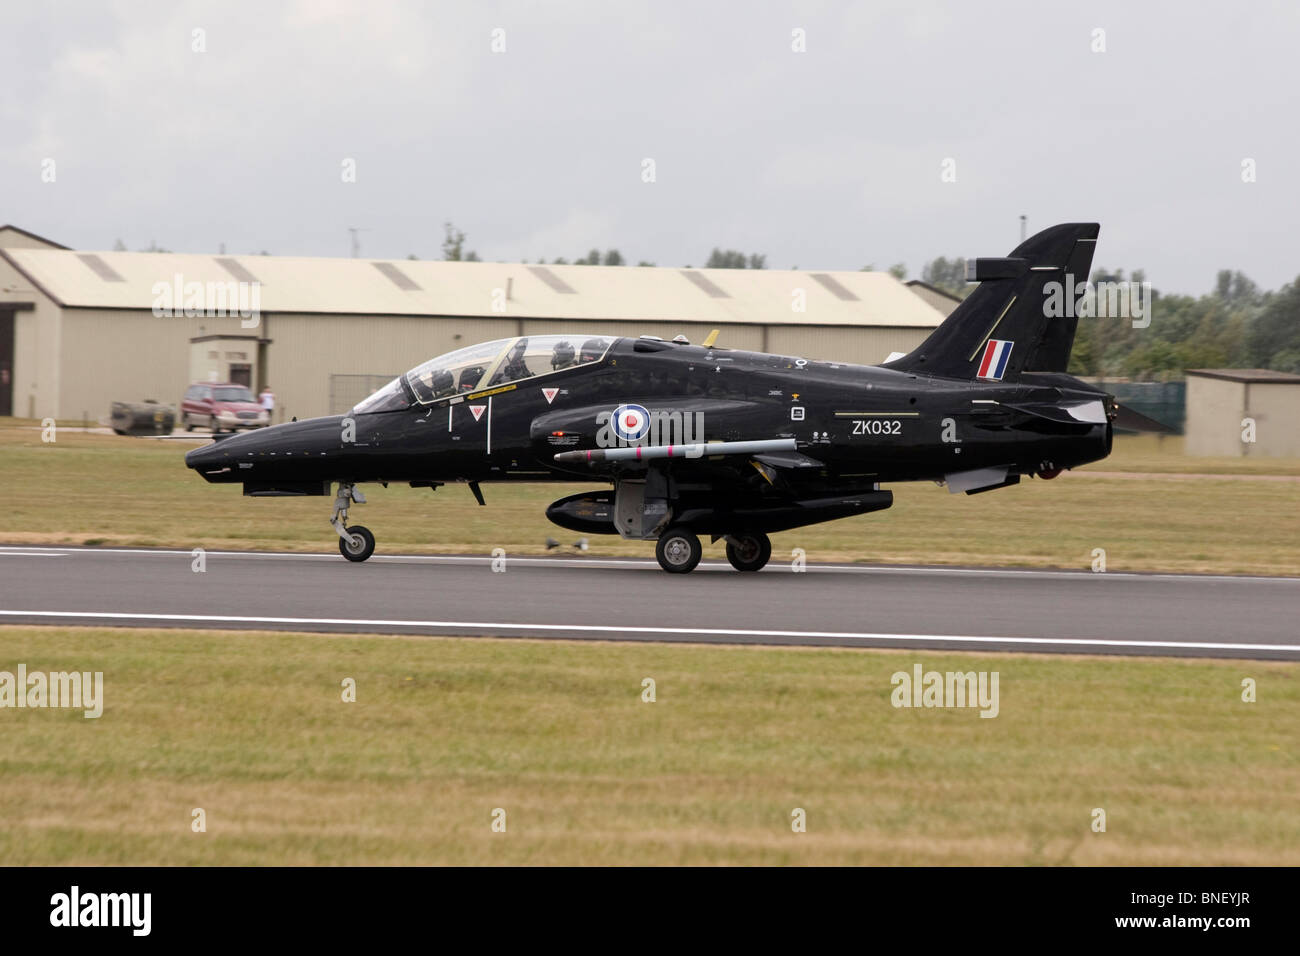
x=355 y=543
x=678 y=550
x=748 y=552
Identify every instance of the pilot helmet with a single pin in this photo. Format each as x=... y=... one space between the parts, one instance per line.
x=442 y=381
x=562 y=355
x=593 y=349
x=470 y=376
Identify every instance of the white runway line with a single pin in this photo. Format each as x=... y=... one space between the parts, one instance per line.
x=576 y=562
x=624 y=629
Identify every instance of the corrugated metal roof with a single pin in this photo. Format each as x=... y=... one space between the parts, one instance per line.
x=473 y=289
x=1249 y=376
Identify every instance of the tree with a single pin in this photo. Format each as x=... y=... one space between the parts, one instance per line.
x=899 y=271
x=614 y=258
x=453 y=246
x=946 y=274
x=733 y=259
x=1274 y=335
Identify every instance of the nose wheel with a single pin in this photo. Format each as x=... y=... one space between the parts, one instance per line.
x=355 y=543
x=358 y=545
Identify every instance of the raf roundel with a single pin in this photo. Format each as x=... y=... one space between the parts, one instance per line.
x=630 y=422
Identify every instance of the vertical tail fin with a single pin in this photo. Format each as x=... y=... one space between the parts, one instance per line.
x=1002 y=328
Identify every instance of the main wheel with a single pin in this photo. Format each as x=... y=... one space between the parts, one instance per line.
x=678 y=550
x=358 y=545
x=749 y=552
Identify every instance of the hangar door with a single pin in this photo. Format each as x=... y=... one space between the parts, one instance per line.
x=6 y=362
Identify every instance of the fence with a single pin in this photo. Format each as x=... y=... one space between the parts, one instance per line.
x=1166 y=402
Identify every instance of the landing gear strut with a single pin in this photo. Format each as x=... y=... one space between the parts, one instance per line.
x=748 y=551
x=678 y=550
x=355 y=543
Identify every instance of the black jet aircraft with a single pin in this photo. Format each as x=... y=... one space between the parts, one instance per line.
x=698 y=440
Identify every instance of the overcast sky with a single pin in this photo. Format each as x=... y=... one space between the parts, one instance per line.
x=829 y=159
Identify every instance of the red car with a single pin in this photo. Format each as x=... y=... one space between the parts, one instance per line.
x=222 y=405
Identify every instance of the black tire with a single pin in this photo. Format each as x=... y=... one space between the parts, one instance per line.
x=749 y=551
x=212 y=423
x=678 y=550
x=358 y=545
x=189 y=425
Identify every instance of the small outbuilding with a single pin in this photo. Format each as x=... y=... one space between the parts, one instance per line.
x=1243 y=413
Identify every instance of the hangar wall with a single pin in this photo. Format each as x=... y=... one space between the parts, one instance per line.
x=126 y=355
x=74 y=360
x=36 y=346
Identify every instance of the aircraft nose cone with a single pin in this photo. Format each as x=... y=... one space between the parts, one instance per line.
x=280 y=447
x=216 y=457
x=199 y=457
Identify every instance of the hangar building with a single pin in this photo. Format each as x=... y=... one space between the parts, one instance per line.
x=79 y=330
x=1227 y=407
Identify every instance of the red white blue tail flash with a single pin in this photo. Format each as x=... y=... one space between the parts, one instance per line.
x=994 y=362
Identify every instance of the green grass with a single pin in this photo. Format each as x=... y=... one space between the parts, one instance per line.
x=1164 y=454
x=111 y=490
x=251 y=728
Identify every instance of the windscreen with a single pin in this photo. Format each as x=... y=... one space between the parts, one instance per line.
x=232 y=393
x=487 y=365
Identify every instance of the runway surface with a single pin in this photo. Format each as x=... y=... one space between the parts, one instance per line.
x=631 y=599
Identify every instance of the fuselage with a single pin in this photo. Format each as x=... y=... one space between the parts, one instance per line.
x=859 y=422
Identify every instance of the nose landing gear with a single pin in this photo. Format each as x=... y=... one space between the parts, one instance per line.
x=355 y=543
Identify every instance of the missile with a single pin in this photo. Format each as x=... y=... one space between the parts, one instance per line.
x=700 y=450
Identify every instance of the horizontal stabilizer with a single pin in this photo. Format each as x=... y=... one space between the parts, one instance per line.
x=1128 y=420
x=1087 y=413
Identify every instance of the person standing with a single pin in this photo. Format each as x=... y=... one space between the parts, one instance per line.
x=267 y=398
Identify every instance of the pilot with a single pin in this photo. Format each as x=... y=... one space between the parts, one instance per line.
x=515 y=367
x=442 y=383
x=593 y=349
x=562 y=356
x=469 y=378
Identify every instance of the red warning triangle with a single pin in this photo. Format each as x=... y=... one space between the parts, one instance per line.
x=550 y=394
x=478 y=411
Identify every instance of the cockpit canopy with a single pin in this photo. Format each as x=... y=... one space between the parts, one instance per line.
x=487 y=365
